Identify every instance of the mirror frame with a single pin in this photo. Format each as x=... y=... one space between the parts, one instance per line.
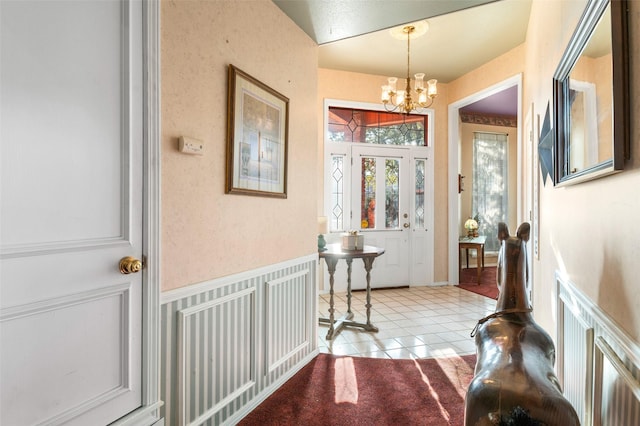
x=620 y=84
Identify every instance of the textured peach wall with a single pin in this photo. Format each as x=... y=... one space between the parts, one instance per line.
x=587 y=231
x=207 y=234
x=501 y=68
x=357 y=87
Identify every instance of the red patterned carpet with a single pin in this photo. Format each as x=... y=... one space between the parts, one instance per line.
x=342 y=390
x=488 y=287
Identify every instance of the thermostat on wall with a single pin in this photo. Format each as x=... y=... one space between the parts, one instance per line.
x=190 y=145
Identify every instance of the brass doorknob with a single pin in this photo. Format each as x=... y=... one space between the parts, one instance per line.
x=130 y=265
x=406 y=225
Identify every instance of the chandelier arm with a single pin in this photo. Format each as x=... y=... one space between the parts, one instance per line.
x=387 y=104
x=426 y=104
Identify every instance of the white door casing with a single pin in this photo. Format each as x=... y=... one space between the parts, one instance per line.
x=454 y=166
x=408 y=259
x=74 y=124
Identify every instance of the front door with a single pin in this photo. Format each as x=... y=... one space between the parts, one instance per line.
x=391 y=204
x=380 y=208
x=71 y=208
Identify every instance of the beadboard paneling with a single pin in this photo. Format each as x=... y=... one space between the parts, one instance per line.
x=598 y=363
x=229 y=343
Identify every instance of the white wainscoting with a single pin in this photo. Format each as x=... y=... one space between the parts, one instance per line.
x=598 y=363
x=227 y=344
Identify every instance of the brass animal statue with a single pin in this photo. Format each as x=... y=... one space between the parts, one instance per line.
x=514 y=381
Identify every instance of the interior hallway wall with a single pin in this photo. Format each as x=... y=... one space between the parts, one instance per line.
x=206 y=233
x=587 y=231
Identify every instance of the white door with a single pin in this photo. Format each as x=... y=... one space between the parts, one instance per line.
x=381 y=208
x=400 y=179
x=71 y=208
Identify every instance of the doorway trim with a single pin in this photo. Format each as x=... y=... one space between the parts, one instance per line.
x=454 y=166
x=325 y=152
x=149 y=411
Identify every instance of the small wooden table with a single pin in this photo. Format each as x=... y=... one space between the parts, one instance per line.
x=332 y=255
x=476 y=243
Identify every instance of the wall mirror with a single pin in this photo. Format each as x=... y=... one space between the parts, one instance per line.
x=591 y=97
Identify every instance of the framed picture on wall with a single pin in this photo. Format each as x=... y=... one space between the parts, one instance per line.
x=257 y=137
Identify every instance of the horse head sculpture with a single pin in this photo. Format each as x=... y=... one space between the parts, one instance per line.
x=514 y=381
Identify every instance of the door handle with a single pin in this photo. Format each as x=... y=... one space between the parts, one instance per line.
x=406 y=225
x=130 y=265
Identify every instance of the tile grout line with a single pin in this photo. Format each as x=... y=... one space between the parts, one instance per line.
x=420 y=322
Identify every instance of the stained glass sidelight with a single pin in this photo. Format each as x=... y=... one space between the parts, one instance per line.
x=337 y=193
x=419 y=194
x=377 y=127
x=392 y=194
x=368 y=194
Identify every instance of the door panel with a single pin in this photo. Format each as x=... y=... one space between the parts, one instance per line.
x=380 y=210
x=71 y=208
x=64 y=374
x=58 y=65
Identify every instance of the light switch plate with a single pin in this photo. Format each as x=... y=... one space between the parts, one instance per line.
x=192 y=146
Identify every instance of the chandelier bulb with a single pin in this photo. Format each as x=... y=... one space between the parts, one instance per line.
x=392 y=83
x=386 y=96
x=432 y=88
x=419 y=86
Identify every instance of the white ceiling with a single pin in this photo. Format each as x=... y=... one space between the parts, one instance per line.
x=354 y=35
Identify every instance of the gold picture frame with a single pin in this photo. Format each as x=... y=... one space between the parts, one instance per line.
x=257 y=137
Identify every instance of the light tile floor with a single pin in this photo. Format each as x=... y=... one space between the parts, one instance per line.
x=418 y=322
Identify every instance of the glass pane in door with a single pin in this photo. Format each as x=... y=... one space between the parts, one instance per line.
x=419 y=194
x=392 y=194
x=368 y=194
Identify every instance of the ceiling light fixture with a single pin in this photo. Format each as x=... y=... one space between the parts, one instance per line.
x=402 y=99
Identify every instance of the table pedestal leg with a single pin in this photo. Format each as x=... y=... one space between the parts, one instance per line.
x=478 y=264
x=349 y=262
x=336 y=324
x=368 y=264
x=331 y=266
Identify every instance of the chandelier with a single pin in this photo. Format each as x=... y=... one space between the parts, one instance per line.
x=404 y=100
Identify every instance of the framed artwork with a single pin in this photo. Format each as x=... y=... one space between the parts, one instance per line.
x=257 y=137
